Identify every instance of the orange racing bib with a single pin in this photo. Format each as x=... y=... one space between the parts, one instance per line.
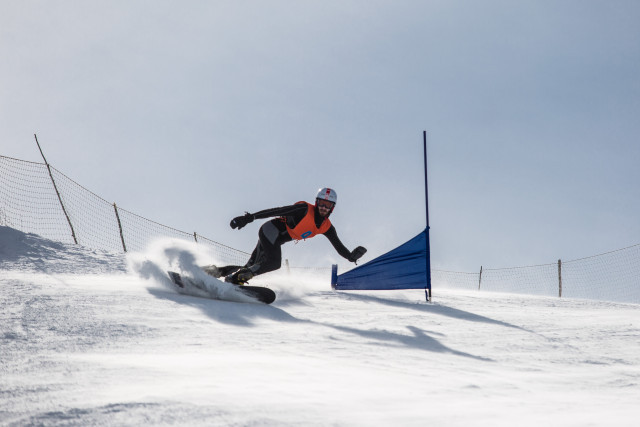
x=306 y=228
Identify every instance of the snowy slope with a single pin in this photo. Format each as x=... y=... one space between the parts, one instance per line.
x=93 y=338
x=28 y=252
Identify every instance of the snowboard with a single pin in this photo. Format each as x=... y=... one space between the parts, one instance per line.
x=258 y=293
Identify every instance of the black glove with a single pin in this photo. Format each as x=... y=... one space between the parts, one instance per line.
x=356 y=254
x=240 y=221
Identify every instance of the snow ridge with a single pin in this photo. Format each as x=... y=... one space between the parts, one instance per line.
x=29 y=252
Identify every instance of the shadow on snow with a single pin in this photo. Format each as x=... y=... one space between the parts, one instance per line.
x=433 y=309
x=246 y=315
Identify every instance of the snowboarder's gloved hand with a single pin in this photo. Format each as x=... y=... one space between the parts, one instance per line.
x=357 y=253
x=240 y=221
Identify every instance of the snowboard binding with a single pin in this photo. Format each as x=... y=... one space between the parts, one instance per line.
x=240 y=277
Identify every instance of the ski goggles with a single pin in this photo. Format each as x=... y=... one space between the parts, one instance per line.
x=324 y=204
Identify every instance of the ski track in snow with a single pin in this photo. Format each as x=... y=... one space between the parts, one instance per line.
x=95 y=338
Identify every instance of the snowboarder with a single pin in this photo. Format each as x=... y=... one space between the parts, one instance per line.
x=299 y=221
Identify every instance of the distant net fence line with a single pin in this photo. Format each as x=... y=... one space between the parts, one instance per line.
x=611 y=276
x=37 y=198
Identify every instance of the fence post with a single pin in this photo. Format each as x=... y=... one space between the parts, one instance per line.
x=286 y=263
x=480 y=278
x=115 y=208
x=195 y=237
x=559 y=278
x=73 y=233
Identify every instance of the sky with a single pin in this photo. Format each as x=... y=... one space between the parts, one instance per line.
x=190 y=113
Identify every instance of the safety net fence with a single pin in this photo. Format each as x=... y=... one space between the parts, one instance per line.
x=611 y=276
x=37 y=198
x=57 y=208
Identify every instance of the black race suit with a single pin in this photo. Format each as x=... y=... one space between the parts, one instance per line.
x=267 y=256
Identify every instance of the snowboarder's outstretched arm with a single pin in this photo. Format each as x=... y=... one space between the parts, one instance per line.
x=299 y=208
x=240 y=221
x=352 y=256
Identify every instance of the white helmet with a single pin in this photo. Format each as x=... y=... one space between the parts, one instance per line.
x=327 y=194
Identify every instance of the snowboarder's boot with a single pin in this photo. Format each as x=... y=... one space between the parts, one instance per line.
x=218 y=272
x=240 y=277
x=212 y=270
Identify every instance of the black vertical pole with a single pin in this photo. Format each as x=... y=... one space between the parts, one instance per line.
x=426 y=199
x=55 y=187
x=115 y=208
x=559 y=278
